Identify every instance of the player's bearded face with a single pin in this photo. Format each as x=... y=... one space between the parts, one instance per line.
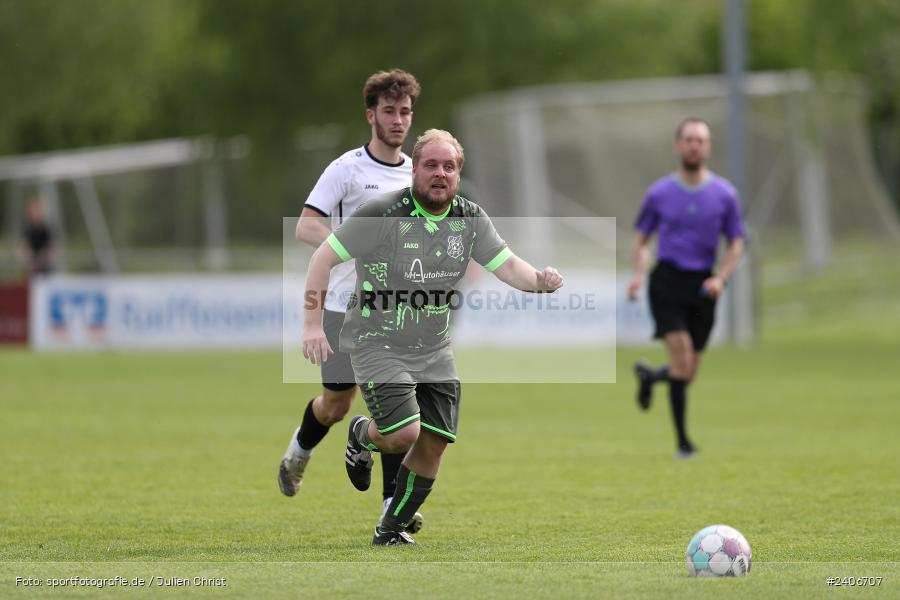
x=693 y=146
x=436 y=176
x=391 y=120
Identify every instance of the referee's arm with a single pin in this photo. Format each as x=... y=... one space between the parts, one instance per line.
x=715 y=284
x=640 y=253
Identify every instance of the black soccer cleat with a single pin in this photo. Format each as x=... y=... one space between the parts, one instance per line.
x=358 y=459
x=686 y=451
x=415 y=522
x=644 y=375
x=391 y=538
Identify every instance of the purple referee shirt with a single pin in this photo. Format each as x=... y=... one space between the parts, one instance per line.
x=690 y=220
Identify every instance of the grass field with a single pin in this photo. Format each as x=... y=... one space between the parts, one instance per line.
x=163 y=465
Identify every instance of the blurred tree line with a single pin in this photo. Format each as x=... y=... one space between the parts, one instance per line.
x=94 y=72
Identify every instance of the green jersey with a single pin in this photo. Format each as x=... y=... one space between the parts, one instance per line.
x=408 y=264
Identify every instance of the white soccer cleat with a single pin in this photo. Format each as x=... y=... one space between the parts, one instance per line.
x=293 y=464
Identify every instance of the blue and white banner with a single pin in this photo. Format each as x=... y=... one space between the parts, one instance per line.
x=144 y=312
x=265 y=311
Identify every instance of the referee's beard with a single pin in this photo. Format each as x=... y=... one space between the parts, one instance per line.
x=691 y=166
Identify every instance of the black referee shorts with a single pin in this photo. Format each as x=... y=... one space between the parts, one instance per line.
x=337 y=373
x=677 y=303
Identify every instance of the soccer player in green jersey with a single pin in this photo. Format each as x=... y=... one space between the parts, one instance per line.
x=411 y=249
x=355 y=177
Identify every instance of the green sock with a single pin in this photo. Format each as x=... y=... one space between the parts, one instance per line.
x=409 y=495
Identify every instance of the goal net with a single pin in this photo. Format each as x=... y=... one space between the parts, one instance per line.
x=592 y=149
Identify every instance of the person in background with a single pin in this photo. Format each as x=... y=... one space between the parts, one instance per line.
x=36 y=248
x=690 y=209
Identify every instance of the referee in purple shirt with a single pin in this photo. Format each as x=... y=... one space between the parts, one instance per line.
x=690 y=210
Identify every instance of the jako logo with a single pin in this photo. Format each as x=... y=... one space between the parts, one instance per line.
x=371 y=186
x=89 y=308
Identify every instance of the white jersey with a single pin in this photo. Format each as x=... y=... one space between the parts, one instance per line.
x=345 y=184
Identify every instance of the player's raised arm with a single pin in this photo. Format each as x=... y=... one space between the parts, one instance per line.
x=315 y=345
x=519 y=274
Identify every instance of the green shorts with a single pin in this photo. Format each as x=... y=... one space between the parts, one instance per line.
x=400 y=388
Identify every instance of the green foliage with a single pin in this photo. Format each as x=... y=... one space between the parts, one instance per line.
x=83 y=73
x=99 y=72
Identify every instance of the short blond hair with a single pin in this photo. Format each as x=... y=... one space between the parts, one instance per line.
x=438 y=135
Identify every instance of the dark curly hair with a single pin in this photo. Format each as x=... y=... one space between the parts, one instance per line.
x=394 y=84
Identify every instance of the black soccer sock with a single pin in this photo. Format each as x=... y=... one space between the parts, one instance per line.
x=409 y=495
x=660 y=374
x=678 y=400
x=390 y=464
x=311 y=431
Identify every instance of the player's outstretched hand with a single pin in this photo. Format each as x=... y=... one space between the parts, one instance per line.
x=549 y=280
x=316 y=348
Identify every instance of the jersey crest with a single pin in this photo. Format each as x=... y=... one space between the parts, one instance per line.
x=454 y=246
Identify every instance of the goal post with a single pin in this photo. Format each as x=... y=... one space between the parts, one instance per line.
x=593 y=148
x=144 y=171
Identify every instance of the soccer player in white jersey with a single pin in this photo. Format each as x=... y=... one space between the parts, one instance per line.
x=360 y=174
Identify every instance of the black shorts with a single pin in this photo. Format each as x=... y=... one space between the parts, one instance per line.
x=677 y=303
x=337 y=373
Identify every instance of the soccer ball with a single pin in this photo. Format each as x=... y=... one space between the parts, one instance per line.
x=718 y=550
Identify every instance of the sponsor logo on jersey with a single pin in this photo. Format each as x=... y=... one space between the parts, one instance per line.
x=371 y=186
x=411 y=245
x=454 y=246
x=417 y=274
